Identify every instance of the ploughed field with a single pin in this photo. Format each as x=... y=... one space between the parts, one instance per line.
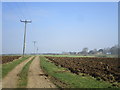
x=6 y=59
x=107 y=69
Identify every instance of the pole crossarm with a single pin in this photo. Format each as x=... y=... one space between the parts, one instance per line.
x=26 y=21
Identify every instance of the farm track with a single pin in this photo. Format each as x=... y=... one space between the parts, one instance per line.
x=10 y=80
x=36 y=77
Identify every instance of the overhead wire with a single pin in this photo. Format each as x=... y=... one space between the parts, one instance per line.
x=8 y=5
x=28 y=10
x=21 y=12
x=28 y=15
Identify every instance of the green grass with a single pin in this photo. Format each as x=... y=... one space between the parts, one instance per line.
x=73 y=80
x=68 y=55
x=95 y=55
x=23 y=75
x=109 y=56
x=0 y=71
x=6 y=68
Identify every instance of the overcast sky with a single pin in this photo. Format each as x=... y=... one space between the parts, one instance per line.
x=58 y=27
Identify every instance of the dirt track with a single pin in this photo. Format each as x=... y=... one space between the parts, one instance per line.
x=10 y=81
x=36 y=78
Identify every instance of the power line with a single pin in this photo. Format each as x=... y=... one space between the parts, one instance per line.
x=27 y=9
x=13 y=10
x=37 y=50
x=34 y=46
x=20 y=10
x=25 y=21
x=21 y=13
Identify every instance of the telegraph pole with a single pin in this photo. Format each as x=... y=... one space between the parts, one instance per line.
x=37 y=50
x=34 y=46
x=25 y=21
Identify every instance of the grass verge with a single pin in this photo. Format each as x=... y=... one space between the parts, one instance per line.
x=112 y=56
x=71 y=80
x=68 y=55
x=23 y=75
x=6 y=68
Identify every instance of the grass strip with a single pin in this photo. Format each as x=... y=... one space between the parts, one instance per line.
x=6 y=68
x=73 y=80
x=23 y=75
x=67 y=56
x=112 y=56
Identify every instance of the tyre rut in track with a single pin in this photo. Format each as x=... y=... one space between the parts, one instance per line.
x=36 y=77
x=10 y=80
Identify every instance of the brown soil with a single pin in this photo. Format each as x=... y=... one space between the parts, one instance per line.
x=36 y=77
x=107 y=69
x=10 y=81
x=7 y=59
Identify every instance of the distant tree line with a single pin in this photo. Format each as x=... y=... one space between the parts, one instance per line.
x=108 y=51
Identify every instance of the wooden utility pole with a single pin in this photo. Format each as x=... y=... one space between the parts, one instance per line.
x=25 y=21
x=34 y=46
x=37 y=50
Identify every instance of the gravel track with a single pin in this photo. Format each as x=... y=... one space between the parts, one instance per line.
x=10 y=80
